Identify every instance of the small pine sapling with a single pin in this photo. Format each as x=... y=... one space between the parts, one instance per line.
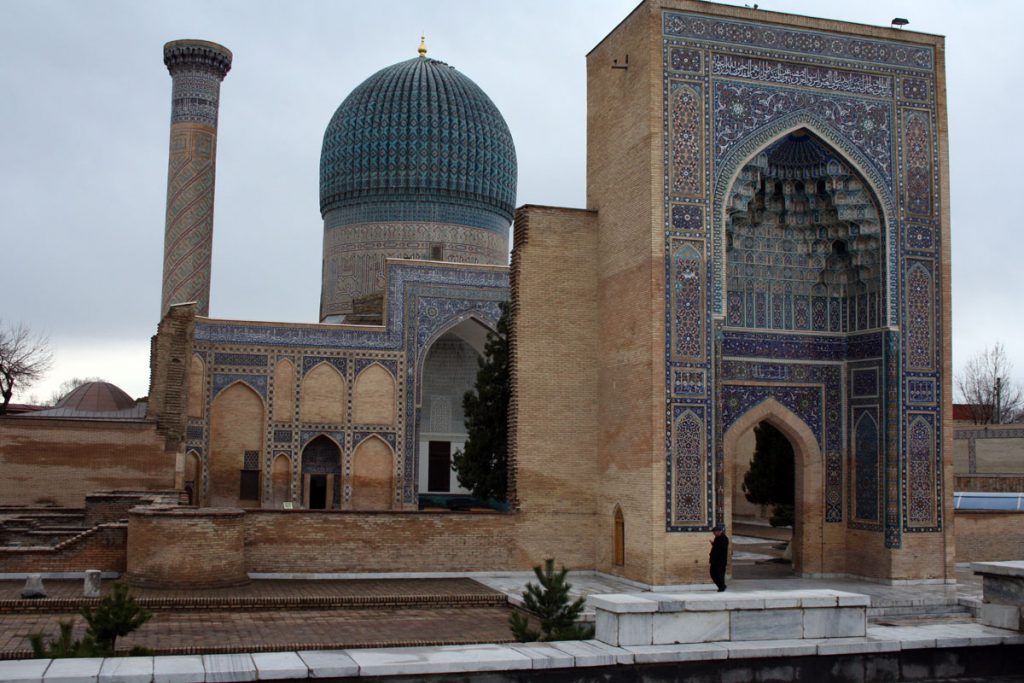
x=549 y=603
x=58 y=648
x=117 y=614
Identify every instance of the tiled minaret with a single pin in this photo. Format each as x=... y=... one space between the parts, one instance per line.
x=197 y=67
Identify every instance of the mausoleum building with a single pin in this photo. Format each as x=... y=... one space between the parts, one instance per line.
x=765 y=239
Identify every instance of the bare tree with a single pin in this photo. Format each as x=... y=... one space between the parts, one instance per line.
x=24 y=358
x=985 y=385
x=67 y=386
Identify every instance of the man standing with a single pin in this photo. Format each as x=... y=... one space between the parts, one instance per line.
x=719 y=556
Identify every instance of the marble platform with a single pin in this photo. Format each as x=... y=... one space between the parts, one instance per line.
x=1002 y=602
x=701 y=617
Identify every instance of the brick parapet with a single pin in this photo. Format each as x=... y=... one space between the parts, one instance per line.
x=173 y=547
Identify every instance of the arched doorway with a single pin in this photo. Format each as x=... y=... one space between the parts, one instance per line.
x=448 y=371
x=808 y=541
x=321 y=474
x=763 y=503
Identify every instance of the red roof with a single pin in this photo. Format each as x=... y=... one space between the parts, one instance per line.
x=16 y=408
x=966 y=412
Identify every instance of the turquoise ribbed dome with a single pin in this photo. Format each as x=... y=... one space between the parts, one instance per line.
x=418 y=141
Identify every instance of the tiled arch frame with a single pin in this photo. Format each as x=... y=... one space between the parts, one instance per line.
x=808 y=541
x=728 y=169
x=418 y=342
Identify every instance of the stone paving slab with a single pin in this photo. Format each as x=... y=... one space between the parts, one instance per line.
x=81 y=670
x=180 y=669
x=416 y=661
x=229 y=668
x=24 y=671
x=659 y=654
x=329 y=664
x=278 y=665
x=127 y=670
x=488 y=657
x=544 y=655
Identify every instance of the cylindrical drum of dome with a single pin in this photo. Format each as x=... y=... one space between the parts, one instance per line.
x=417 y=163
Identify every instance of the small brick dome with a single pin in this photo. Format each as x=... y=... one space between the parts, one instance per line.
x=96 y=397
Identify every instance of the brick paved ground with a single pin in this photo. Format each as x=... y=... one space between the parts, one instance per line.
x=373 y=617
x=11 y=590
x=197 y=631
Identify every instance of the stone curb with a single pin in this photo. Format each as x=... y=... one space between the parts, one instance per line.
x=394 y=661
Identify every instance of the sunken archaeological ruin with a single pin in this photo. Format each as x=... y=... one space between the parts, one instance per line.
x=765 y=239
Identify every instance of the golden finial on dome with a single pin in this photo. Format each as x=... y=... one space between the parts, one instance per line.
x=423 y=46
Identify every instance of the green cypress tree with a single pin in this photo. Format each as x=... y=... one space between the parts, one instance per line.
x=482 y=465
x=772 y=476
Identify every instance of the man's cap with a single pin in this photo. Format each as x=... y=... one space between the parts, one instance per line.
x=718 y=527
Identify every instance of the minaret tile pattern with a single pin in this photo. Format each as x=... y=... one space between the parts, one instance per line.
x=197 y=67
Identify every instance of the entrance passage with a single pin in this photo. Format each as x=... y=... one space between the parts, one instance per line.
x=317 y=492
x=321 y=474
x=763 y=504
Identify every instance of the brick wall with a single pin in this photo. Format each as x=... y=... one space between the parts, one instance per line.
x=61 y=461
x=332 y=541
x=554 y=427
x=1007 y=483
x=113 y=506
x=102 y=547
x=984 y=536
x=170 y=357
x=186 y=547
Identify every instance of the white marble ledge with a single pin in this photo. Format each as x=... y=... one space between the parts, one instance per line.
x=329 y=663
x=1013 y=568
x=79 y=670
x=179 y=669
x=278 y=665
x=229 y=668
x=856 y=646
x=622 y=656
x=127 y=670
x=657 y=654
x=545 y=656
x=412 y=661
x=584 y=653
x=758 y=649
x=623 y=603
x=23 y=670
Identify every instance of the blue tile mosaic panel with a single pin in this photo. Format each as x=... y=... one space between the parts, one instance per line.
x=804 y=127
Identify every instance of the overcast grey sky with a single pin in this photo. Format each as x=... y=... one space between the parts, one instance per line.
x=85 y=103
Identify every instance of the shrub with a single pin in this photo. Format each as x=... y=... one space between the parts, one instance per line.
x=549 y=603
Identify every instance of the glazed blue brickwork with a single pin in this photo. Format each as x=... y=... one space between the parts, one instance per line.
x=423 y=300
x=310 y=362
x=223 y=380
x=240 y=359
x=418 y=133
x=732 y=91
